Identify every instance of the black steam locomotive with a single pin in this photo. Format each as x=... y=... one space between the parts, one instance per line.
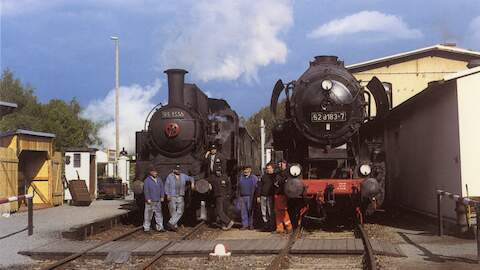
x=181 y=132
x=332 y=143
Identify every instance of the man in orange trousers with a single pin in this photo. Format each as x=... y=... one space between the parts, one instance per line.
x=280 y=200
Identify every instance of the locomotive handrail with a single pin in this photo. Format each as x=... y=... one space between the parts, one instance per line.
x=464 y=201
x=149 y=116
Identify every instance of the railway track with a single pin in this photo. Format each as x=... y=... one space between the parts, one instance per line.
x=368 y=260
x=77 y=255
x=150 y=263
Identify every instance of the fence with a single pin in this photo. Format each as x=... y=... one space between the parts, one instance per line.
x=465 y=202
x=29 y=198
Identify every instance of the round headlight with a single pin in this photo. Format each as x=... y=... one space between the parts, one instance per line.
x=365 y=169
x=295 y=170
x=327 y=85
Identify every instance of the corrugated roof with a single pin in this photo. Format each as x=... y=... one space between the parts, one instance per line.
x=438 y=47
x=27 y=132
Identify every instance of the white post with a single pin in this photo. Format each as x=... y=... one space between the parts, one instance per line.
x=262 y=142
x=117 y=90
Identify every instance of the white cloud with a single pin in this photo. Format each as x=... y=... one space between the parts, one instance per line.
x=135 y=104
x=386 y=26
x=228 y=39
x=474 y=32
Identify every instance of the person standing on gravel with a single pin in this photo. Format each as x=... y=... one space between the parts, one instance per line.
x=280 y=200
x=266 y=191
x=154 y=192
x=246 y=190
x=221 y=187
x=175 y=190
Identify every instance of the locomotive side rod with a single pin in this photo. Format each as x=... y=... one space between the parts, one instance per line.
x=159 y=254
x=79 y=254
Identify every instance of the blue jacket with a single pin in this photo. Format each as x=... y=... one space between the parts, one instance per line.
x=170 y=184
x=247 y=185
x=153 y=191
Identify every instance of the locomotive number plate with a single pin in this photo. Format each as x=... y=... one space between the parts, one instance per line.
x=173 y=114
x=328 y=116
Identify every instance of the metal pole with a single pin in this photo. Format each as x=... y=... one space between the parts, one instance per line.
x=262 y=142
x=439 y=214
x=117 y=90
x=30 y=215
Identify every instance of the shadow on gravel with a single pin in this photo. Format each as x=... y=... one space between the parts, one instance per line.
x=430 y=256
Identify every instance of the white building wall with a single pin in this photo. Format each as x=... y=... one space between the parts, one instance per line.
x=124 y=169
x=468 y=93
x=423 y=153
x=83 y=170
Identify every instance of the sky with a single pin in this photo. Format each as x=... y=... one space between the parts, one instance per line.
x=233 y=49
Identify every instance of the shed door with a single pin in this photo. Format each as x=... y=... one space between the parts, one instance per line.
x=56 y=179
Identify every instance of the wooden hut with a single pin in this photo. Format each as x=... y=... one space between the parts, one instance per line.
x=38 y=167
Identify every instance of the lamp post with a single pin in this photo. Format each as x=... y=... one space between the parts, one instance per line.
x=117 y=90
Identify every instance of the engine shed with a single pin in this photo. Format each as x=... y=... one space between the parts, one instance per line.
x=406 y=74
x=30 y=165
x=432 y=143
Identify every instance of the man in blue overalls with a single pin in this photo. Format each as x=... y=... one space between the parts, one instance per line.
x=175 y=190
x=154 y=193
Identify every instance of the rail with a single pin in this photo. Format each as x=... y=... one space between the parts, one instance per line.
x=465 y=202
x=279 y=260
x=369 y=256
x=29 y=198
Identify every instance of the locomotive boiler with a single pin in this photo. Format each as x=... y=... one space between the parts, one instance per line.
x=331 y=141
x=181 y=132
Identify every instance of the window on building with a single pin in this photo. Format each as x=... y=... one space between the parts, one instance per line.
x=76 y=160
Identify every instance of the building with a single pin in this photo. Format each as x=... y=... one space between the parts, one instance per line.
x=6 y=108
x=410 y=72
x=432 y=143
x=80 y=163
x=30 y=165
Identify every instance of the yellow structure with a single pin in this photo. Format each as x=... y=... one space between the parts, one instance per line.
x=38 y=166
x=410 y=72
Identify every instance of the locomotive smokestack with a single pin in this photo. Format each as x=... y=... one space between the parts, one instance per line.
x=176 y=81
x=326 y=59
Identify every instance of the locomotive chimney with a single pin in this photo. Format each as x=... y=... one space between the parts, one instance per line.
x=326 y=59
x=176 y=81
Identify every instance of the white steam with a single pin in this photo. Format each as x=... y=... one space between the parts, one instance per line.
x=385 y=26
x=228 y=39
x=135 y=104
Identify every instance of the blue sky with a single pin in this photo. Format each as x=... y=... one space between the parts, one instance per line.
x=234 y=49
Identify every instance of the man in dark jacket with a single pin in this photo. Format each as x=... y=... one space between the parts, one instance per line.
x=154 y=192
x=266 y=190
x=281 y=210
x=221 y=187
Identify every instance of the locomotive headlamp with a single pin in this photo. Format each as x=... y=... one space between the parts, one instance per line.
x=327 y=85
x=295 y=170
x=365 y=169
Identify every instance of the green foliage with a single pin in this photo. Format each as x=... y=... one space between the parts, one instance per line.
x=253 y=123
x=57 y=116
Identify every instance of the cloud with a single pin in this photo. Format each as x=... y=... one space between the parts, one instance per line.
x=228 y=39
x=135 y=104
x=474 y=32
x=386 y=26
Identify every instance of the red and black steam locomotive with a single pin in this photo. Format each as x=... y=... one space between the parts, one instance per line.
x=181 y=132
x=332 y=143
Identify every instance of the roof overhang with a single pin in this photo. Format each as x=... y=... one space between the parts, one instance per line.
x=6 y=108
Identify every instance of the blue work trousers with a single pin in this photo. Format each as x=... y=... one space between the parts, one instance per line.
x=246 y=210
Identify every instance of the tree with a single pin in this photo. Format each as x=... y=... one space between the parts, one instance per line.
x=253 y=123
x=57 y=116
